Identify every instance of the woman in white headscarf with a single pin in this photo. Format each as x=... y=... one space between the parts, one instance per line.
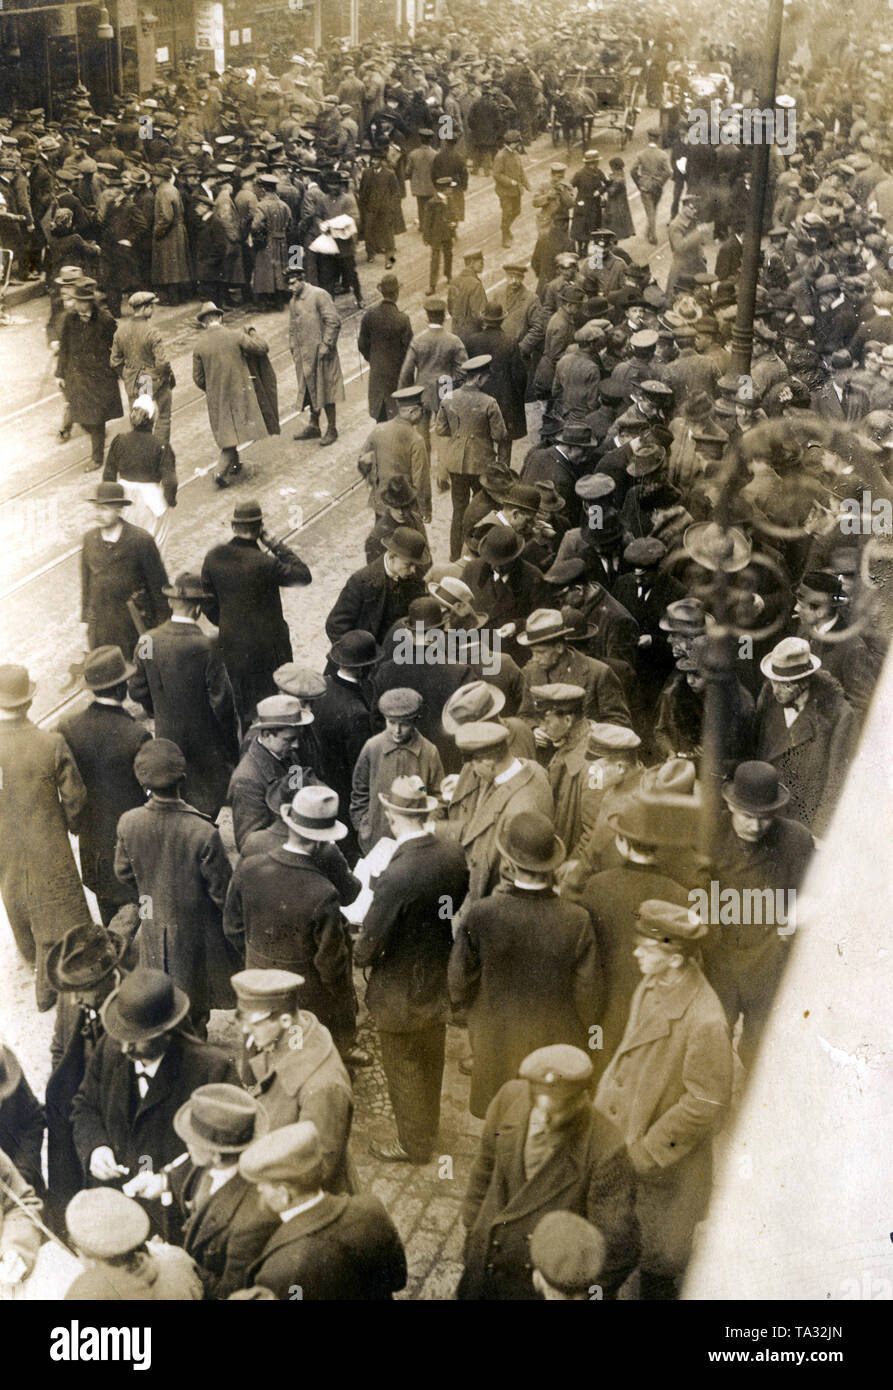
x=147 y=471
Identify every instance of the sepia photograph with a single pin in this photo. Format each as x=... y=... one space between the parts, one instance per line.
x=446 y=720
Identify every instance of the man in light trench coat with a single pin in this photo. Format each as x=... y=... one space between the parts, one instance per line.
x=313 y=328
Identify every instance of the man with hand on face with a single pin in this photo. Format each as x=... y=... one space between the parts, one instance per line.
x=143 y=1069
x=327 y=1247
x=554 y=661
x=398 y=751
x=667 y=1089
x=544 y=1148
x=85 y=374
x=273 y=750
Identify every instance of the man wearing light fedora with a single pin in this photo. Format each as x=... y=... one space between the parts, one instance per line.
x=272 y=749
x=104 y=740
x=374 y=597
x=120 y=565
x=806 y=729
x=553 y=661
x=180 y=680
x=225 y=1226
x=244 y=576
x=43 y=798
x=143 y=1069
x=283 y=913
x=405 y=941
x=760 y=848
x=173 y=856
x=524 y=963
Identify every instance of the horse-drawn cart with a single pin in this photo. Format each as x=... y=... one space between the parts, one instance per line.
x=597 y=101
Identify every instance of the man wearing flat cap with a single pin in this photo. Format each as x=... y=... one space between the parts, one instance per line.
x=327 y=1247
x=144 y=1067
x=283 y=913
x=668 y=1088
x=568 y=1255
x=244 y=577
x=180 y=680
x=544 y=1148
x=109 y=1232
x=173 y=856
x=400 y=750
x=104 y=740
x=405 y=941
x=142 y=361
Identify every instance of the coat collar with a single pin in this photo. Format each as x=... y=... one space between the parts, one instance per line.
x=674 y=1002
x=561 y=1171
x=778 y=738
x=306 y=1223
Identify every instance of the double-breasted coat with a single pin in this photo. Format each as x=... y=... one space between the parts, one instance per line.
x=525 y=966
x=180 y=679
x=344 y=1248
x=589 y=1174
x=225 y=1233
x=667 y=1089
x=812 y=757
x=371 y=601
x=170 y=252
x=113 y=572
x=313 y=328
x=174 y=856
x=91 y=387
x=472 y=422
x=385 y=334
x=477 y=813
x=269 y=231
x=104 y=740
x=41 y=796
x=220 y=369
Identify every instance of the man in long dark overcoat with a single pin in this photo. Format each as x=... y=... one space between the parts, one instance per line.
x=384 y=335
x=179 y=678
x=120 y=563
x=374 y=597
x=83 y=368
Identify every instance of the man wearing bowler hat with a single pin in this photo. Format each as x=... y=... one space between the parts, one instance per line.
x=760 y=849
x=383 y=337
x=398 y=504
x=668 y=1089
x=104 y=740
x=283 y=913
x=272 y=751
x=84 y=372
x=327 y=1247
x=180 y=680
x=120 y=566
x=225 y=1225
x=524 y=963
x=143 y=1069
x=544 y=1148
x=43 y=798
x=244 y=576
x=405 y=942
x=291 y=1066
x=806 y=729
x=220 y=369
x=375 y=597
x=174 y=858
x=505 y=586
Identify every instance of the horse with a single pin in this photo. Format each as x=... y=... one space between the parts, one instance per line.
x=574 y=112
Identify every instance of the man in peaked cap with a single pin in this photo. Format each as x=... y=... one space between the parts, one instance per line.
x=143 y=1069
x=180 y=680
x=104 y=739
x=568 y=1255
x=307 y=935
x=667 y=1117
x=398 y=751
x=244 y=577
x=173 y=856
x=509 y=178
x=405 y=941
x=109 y=1232
x=538 y=1129
x=327 y=1247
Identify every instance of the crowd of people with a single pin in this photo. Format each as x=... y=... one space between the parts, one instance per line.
x=490 y=799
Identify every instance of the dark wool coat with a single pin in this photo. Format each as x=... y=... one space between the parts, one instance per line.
x=41 y=797
x=343 y=723
x=812 y=757
x=180 y=679
x=590 y=1175
x=612 y=899
x=91 y=387
x=76 y=1033
x=372 y=601
x=226 y=1233
x=512 y=601
x=170 y=258
x=506 y=378
x=22 y=1123
x=667 y=1089
x=385 y=334
x=407 y=934
x=282 y=913
x=104 y=740
x=526 y=966
x=108 y=1110
x=378 y=197
x=343 y=1249
x=220 y=369
x=174 y=856
x=112 y=573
